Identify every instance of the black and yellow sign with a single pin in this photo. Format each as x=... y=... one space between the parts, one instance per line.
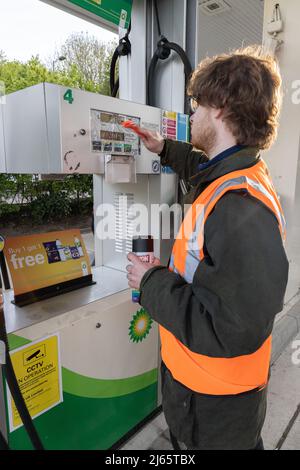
x=1 y=243
x=37 y=368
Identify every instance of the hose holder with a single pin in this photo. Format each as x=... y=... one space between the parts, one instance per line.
x=163 y=50
x=124 y=47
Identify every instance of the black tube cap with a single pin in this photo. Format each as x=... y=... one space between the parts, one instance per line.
x=143 y=244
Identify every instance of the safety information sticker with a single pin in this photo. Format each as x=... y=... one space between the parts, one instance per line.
x=175 y=126
x=38 y=371
x=109 y=136
x=169 y=125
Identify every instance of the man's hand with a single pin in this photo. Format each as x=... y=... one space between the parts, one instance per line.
x=153 y=141
x=137 y=269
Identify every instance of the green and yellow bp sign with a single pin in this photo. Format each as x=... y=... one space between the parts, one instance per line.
x=117 y=12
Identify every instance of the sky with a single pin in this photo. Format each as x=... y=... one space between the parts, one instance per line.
x=32 y=27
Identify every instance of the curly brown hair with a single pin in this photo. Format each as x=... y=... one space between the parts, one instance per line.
x=246 y=83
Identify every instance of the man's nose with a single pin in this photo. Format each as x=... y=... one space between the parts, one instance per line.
x=192 y=118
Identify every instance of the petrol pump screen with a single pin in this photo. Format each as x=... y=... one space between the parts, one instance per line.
x=109 y=136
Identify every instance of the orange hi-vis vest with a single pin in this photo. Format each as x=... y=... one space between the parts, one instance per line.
x=200 y=373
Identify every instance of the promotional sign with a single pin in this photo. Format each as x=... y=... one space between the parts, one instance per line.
x=38 y=372
x=42 y=260
x=117 y=12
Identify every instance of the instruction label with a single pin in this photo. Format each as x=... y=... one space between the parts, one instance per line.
x=38 y=371
x=175 y=126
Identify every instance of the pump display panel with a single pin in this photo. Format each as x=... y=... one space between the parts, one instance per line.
x=109 y=136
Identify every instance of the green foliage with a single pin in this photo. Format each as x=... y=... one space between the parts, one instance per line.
x=92 y=60
x=87 y=68
x=50 y=206
x=42 y=201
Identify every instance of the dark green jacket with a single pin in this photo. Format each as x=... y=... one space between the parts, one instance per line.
x=228 y=310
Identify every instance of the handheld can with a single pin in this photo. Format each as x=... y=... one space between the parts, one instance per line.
x=143 y=247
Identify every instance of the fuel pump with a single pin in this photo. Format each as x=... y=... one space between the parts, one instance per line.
x=102 y=348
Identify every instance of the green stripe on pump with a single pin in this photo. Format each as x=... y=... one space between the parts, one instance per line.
x=88 y=387
x=15 y=341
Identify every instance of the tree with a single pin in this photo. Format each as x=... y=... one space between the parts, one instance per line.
x=90 y=58
x=87 y=67
x=17 y=75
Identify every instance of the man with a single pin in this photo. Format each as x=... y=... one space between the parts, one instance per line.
x=217 y=300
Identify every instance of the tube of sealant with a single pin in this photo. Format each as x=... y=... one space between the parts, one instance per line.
x=144 y=249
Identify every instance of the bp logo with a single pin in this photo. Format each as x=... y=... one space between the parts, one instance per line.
x=140 y=326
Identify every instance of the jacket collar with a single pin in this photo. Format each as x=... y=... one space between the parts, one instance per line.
x=221 y=156
x=244 y=158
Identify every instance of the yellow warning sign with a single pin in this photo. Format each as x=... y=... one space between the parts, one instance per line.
x=170 y=115
x=1 y=243
x=37 y=368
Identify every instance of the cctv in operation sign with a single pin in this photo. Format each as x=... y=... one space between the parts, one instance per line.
x=117 y=12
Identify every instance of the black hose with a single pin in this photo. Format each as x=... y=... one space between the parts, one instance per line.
x=15 y=390
x=112 y=71
x=157 y=18
x=162 y=52
x=116 y=88
x=123 y=49
x=3 y=270
x=3 y=443
x=150 y=82
x=166 y=45
x=187 y=66
x=187 y=71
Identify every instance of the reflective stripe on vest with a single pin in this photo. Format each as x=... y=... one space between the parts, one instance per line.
x=203 y=374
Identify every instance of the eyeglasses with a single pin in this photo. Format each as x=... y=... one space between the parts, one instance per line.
x=193 y=104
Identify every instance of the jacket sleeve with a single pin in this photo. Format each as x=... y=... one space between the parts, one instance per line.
x=181 y=157
x=237 y=289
